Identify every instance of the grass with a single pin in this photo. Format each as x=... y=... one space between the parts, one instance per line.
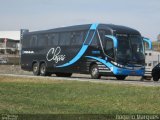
x=43 y=96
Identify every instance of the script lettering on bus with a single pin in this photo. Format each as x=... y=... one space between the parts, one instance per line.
x=54 y=55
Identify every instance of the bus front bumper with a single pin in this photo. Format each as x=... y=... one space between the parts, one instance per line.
x=128 y=72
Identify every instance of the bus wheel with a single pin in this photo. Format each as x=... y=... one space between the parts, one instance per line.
x=35 y=69
x=63 y=74
x=94 y=72
x=155 y=78
x=43 y=71
x=120 y=77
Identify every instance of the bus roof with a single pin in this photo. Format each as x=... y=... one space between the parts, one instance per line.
x=118 y=29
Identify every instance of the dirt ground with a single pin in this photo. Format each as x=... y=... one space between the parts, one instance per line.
x=13 y=69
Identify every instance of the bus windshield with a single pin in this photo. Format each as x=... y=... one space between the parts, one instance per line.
x=130 y=50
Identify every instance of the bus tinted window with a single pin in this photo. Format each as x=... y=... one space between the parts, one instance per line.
x=89 y=36
x=102 y=35
x=65 y=38
x=77 y=38
x=42 y=40
x=33 y=41
x=50 y=39
x=26 y=42
x=53 y=39
x=95 y=40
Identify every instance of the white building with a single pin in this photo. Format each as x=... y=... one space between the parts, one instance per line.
x=9 y=42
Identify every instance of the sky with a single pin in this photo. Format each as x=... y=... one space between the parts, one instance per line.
x=142 y=15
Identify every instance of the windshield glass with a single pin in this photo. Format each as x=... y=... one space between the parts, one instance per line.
x=130 y=50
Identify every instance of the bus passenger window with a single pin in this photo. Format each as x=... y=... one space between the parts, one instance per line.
x=95 y=40
x=53 y=39
x=42 y=40
x=50 y=39
x=77 y=38
x=64 y=39
x=26 y=41
x=33 y=41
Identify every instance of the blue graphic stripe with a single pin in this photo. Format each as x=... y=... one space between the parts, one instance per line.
x=77 y=57
x=83 y=49
x=92 y=37
x=109 y=65
x=94 y=26
x=118 y=71
x=86 y=37
x=114 y=40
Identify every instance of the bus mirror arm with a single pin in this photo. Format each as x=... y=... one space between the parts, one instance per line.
x=115 y=42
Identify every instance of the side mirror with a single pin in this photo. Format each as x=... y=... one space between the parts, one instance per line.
x=115 y=42
x=148 y=42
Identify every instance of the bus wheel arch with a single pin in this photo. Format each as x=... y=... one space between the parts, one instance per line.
x=43 y=68
x=94 y=71
x=35 y=68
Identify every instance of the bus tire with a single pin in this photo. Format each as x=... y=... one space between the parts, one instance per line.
x=94 y=72
x=120 y=77
x=35 y=69
x=63 y=74
x=43 y=69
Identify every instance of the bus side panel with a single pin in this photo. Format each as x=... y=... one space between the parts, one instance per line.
x=60 y=55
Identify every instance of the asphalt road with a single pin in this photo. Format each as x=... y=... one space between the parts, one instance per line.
x=77 y=77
